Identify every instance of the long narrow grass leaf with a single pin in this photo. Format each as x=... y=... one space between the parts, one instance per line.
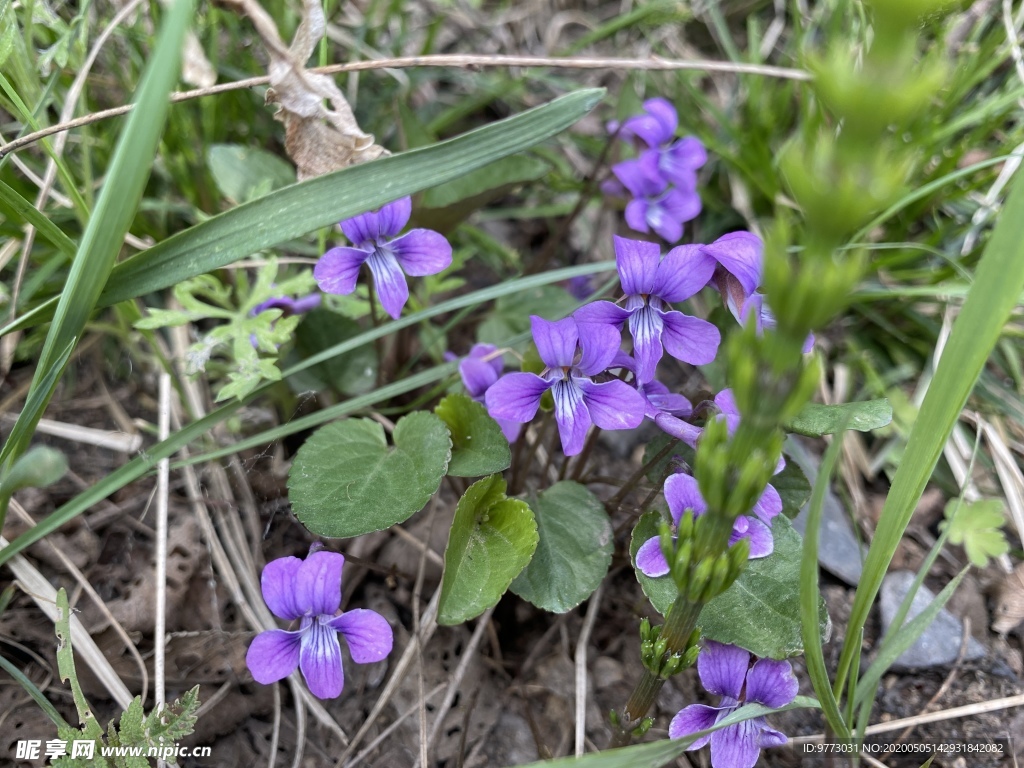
x=29 y=214
x=998 y=282
x=809 y=594
x=298 y=209
x=32 y=690
x=115 y=209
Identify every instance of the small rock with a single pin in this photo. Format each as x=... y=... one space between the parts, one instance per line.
x=839 y=552
x=940 y=642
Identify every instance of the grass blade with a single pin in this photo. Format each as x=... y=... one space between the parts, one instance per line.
x=296 y=210
x=809 y=593
x=998 y=282
x=28 y=213
x=115 y=209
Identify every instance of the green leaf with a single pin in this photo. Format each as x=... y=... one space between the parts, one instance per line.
x=353 y=372
x=18 y=208
x=491 y=539
x=574 y=552
x=760 y=611
x=125 y=180
x=346 y=480
x=39 y=467
x=245 y=173
x=478 y=445
x=508 y=171
x=815 y=420
x=976 y=526
x=793 y=487
x=323 y=201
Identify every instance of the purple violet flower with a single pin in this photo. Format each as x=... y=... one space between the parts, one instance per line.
x=310 y=590
x=479 y=370
x=725 y=670
x=682 y=493
x=573 y=356
x=651 y=284
x=375 y=241
x=656 y=206
x=737 y=259
x=656 y=126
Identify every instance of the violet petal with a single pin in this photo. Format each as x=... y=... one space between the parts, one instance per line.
x=696 y=717
x=422 y=252
x=772 y=683
x=338 y=269
x=637 y=263
x=278 y=582
x=612 y=404
x=678 y=428
x=757 y=533
x=682 y=493
x=645 y=325
x=769 y=505
x=320 y=661
x=477 y=376
x=368 y=634
x=735 y=746
x=273 y=655
x=318 y=583
x=571 y=415
x=683 y=273
x=516 y=396
x=742 y=254
x=556 y=341
x=690 y=339
x=388 y=281
x=599 y=345
x=651 y=560
x=723 y=668
x=602 y=312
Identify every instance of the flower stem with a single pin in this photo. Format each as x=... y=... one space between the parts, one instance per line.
x=679 y=625
x=615 y=501
x=378 y=343
x=581 y=462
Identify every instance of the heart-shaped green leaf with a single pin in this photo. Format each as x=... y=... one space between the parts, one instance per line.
x=815 y=420
x=574 y=552
x=760 y=611
x=346 y=480
x=478 y=446
x=492 y=538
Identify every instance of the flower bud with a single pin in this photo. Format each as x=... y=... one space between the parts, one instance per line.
x=699 y=577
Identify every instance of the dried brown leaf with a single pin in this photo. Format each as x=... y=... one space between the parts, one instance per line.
x=319 y=139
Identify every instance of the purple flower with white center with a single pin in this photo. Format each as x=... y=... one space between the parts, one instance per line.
x=310 y=590
x=479 y=370
x=375 y=242
x=650 y=285
x=677 y=162
x=657 y=206
x=682 y=493
x=574 y=355
x=725 y=670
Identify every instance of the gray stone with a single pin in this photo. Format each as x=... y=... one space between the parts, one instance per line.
x=939 y=644
x=839 y=551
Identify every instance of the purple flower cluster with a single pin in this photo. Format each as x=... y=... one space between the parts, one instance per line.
x=662 y=179
x=375 y=242
x=310 y=591
x=726 y=671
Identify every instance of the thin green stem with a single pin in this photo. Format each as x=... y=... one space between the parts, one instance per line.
x=613 y=504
